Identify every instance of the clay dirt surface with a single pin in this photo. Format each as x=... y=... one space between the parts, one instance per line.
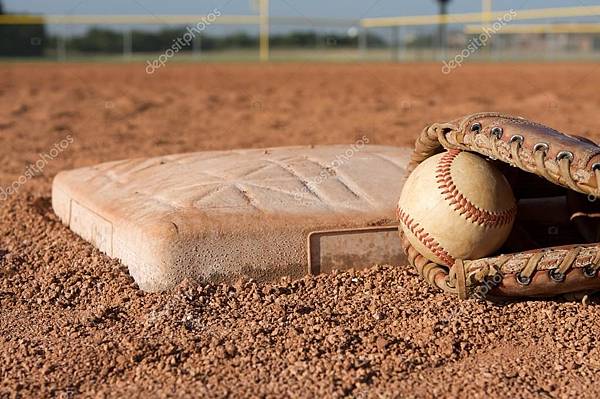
x=73 y=323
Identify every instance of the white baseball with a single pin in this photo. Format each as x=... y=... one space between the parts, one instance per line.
x=456 y=205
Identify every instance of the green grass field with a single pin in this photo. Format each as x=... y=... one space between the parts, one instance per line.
x=322 y=55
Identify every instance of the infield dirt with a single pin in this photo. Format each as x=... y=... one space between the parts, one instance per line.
x=73 y=323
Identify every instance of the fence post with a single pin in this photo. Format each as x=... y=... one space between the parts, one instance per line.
x=486 y=20
x=61 y=45
x=197 y=45
x=264 y=30
x=127 y=44
x=395 y=44
x=362 y=42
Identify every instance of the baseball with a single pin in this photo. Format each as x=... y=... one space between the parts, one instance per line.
x=456 y=205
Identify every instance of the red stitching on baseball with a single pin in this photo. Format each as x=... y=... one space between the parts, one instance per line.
x=461 y=204
x=424 y=237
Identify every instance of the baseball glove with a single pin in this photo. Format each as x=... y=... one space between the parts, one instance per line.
x=554 y=245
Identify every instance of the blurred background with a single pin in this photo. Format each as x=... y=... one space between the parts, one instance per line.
x=336 y=30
